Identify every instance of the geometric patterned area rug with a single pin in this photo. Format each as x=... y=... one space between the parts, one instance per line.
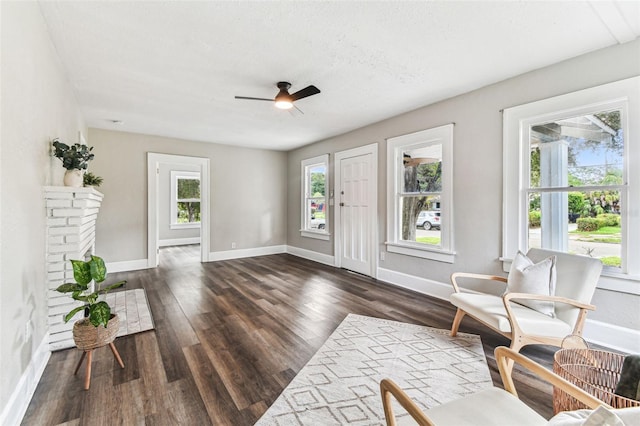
x=133 y=309
x=340 y=384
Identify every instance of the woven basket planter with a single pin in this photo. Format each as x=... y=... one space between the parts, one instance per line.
x=595 y=372
x=87 y=336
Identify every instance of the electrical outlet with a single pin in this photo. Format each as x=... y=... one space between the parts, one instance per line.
x=382 y=256
x=233 y=245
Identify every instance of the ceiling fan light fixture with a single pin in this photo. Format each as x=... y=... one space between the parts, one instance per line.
x=284 y=104
x=283 y=99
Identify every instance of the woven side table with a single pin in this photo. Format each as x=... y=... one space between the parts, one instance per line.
x=596 y=372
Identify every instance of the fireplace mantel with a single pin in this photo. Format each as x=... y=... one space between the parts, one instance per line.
x=71 y=234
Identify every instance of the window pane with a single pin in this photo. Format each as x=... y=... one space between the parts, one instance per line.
x=423 y=169
x=421 y=220
x=188 y=212
x=591 y=227
x=316 y=181
x=188 y=188
x=585 y=150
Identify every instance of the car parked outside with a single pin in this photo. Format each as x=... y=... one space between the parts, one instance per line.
x=317 y=223
x=428 y=219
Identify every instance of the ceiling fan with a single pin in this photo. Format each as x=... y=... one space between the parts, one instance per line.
x=283 y=99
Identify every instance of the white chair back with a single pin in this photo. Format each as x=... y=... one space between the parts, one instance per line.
x=576 y=278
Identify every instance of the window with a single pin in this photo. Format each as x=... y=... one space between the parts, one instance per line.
x=419 y=199
x=185 y=199
x=568 y=184
x=315 y=209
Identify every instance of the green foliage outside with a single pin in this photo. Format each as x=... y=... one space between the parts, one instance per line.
x=576 y=202
x=612 y=261
x=317 y=184
x=434 y=241
x=591 y=224
x=534 y=219
x=188 y=211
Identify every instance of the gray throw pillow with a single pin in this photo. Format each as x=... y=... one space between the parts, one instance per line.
x=525 y=276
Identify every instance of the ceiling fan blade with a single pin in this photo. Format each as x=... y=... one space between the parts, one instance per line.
x=307 y=91
x=254 y=99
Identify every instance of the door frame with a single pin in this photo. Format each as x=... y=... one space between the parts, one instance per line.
x=373 y=196
x=153 y=168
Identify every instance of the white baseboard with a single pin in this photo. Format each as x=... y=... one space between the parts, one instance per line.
x=327 y=259
x=16 y=407
x=411 y=282
x=127 y=265
x=178 y=242
x=612 y=336
x=251 y=252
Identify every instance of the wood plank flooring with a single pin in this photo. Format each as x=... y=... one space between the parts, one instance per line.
x=229 y=337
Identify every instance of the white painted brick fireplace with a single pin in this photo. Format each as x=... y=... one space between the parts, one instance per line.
x=71 y=234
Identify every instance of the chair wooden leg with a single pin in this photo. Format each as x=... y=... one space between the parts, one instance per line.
x=87 y=378
x=516 y=345
x=116 y=354
x=79 y=363
x=456 y=322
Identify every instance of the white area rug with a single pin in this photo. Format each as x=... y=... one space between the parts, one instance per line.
x=340 y=384
x=133 y=309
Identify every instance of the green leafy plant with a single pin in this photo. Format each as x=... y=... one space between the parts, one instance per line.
x=74 y=157
x=98 y=311
x=89 y=179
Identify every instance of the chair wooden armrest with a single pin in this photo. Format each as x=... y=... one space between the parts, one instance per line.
x=508 y=296
x=388 y=387
x=457 y=275
x=504 y=355
x=515 y=326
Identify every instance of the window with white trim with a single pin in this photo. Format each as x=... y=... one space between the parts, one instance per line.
x=419 y=194
x=185 y=199
x=572 y=178
x=315 y=206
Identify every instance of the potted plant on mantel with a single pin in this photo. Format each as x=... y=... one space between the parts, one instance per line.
x=91 y=180
x=75 y=159
x=100 y=326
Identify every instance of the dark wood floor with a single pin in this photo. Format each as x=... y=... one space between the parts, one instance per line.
x=229 y=337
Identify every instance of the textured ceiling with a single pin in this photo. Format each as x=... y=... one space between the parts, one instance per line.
x=173 y=68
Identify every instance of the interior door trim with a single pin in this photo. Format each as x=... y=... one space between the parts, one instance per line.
x=153 y=163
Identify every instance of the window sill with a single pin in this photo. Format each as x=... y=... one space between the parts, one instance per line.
x=425 y=253
x=184 y=225
x=318 y=235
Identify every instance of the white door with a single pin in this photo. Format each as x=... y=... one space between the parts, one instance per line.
x=357 y=228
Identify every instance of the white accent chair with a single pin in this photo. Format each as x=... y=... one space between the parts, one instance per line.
x=496 y=406
x=576 y=279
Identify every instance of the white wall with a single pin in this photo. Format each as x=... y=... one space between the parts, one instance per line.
x=37 y=105
x=164 y=205
x=477 y=169
x=248 y=193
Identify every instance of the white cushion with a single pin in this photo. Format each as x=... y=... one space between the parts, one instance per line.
x=488 y=407
x=490 y=310
x=601 y=416
x=525 y=276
